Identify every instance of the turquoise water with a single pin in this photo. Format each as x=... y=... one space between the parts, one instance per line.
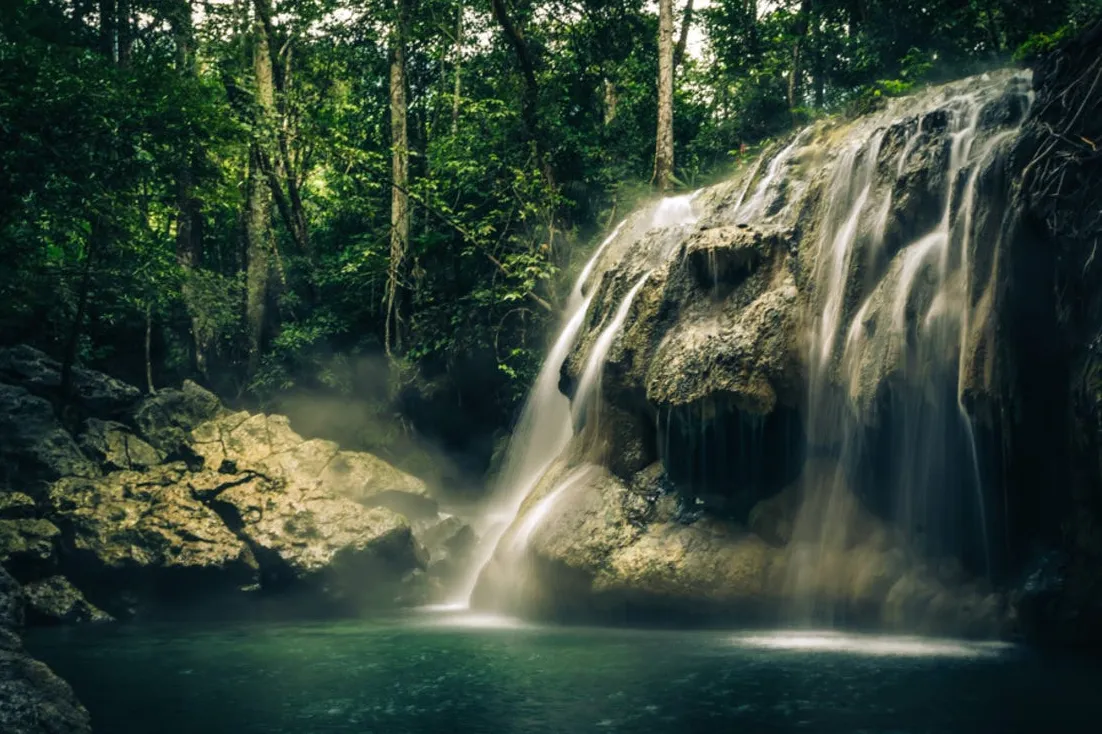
x=457 y=672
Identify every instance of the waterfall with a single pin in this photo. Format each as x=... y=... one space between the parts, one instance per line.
x=919 y=439
x=541 y=434
x=796 y=371
x=547 y=420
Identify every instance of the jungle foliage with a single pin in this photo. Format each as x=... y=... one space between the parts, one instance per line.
x=206 y=188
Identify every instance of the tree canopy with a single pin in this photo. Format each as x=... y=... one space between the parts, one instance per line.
x=208 y=189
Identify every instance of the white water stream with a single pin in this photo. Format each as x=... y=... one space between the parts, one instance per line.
x=547 y=421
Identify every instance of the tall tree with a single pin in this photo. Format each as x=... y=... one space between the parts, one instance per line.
x=399 y=200
x=107 y=28
x=795 y=71
x=278 y=159
x=663 y=148
x=189 y=239
x=514 y=34
x=458 y=86
x=258 y=201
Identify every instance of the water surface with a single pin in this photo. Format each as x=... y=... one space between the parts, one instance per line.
x=445 y=671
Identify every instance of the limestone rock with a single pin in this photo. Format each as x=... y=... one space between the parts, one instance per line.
x=147 y=532
x=266 y=444
x=305 y=537
x=34 y=447
x=55 y=600
x=115 y=447
x=166 y=418
x=747 y=356
x=27 y=545
x=33 y=700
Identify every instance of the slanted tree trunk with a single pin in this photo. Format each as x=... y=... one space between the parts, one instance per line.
x=683 y=39
x=529 y=105
x=399 y=199
x=277 y=159
x=663 y=149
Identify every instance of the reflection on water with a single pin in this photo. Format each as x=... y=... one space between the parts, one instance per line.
x=456 y=671
x=876 y=645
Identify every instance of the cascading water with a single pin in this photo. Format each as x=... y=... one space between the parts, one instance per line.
x=814 y=322
x=548 y=421
x=541 y=434
x=911 y=455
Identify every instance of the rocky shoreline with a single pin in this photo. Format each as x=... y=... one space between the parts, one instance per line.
x=116 y=505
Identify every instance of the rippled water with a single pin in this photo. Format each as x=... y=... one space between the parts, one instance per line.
x=449 y=671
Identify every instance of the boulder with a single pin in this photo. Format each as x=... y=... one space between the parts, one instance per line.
x=94 y=392
x=16 y=506
x=586 y=543
x=33 y=700
x=265 y=444
x=305 y=538
x=27 y=545
x=114 y=446
x=55 y=600
x=448 y=544
x=166 y=418
x=34 y=447
x=147 y=534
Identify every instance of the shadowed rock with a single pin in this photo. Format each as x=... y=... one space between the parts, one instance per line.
x=32 y=699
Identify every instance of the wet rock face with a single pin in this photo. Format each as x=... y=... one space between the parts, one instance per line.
x=32 y=699
x=1047 y=325
x=849 y=299
x=625 y=550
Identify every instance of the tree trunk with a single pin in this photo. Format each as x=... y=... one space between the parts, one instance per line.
x=795 y=74
x=125 y=31
x=458 y=69
x=149 y=347
x=683 y=39
x=258 y=206
x=257 y=219
x=399 y=200
x=189 y=239
x=72 y=341
x=611 y=101
x=107 y=28
x=818 y=74
x=663 y=150
x=515 y=36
